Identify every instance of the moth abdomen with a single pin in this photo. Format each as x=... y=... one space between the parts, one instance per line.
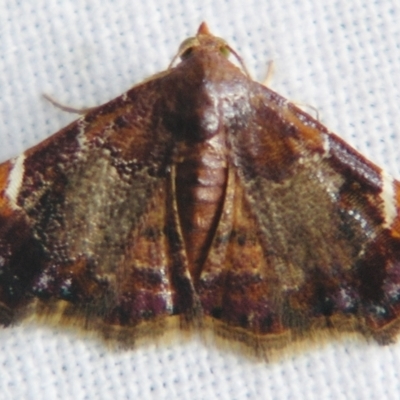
x=201 y=175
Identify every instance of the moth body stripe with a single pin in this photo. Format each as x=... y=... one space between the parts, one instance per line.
x=15 y=180
x=388 y=197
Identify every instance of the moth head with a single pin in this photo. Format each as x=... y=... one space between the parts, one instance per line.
x=206 y=40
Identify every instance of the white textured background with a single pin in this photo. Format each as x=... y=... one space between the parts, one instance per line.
x=341 y=56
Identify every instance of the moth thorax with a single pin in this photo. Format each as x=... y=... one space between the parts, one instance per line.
x=201 y=176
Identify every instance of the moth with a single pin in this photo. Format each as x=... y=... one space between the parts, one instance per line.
x=204 y=198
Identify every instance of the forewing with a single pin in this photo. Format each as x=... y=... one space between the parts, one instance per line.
x=83 y=215
x=314 y=240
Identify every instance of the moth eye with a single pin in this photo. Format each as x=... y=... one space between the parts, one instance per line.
x=224 y=50
x=186 y=47
x=186 y=53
